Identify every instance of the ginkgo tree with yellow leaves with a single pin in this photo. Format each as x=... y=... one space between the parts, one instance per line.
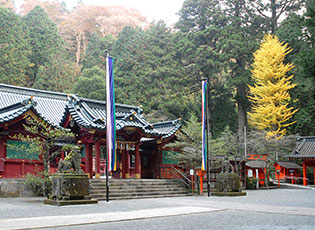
x=270 y=95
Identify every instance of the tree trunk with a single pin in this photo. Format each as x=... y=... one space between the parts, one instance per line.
x=273 y=16
x=78 y=52
x=242 y=111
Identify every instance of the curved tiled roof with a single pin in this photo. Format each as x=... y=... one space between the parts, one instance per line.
x=288 y=165
x=14 y=111
x=91 y=114
x=305 y=148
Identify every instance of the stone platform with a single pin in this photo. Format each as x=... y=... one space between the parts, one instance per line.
x=228 y=193
x=70 y=202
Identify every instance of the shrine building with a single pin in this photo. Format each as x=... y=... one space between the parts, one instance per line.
x=305 y=151
x=140 y=145
x=287 y=171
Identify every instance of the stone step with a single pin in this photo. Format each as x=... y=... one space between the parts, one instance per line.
x=141 y=197
x=130 y=189
x=139 y=191
x=125 y=196
x=136 y=187
x=134 y=183
x=139 y=194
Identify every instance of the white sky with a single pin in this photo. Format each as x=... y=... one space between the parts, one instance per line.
x=152 y=9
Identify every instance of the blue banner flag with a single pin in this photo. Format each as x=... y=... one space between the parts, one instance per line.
x=110 y=115
x=203 y=121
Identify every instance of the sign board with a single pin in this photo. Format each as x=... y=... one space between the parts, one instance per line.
x=191 y=172
x=250 y=173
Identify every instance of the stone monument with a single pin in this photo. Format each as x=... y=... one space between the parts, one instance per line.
x=70 y=185
x=227 y=182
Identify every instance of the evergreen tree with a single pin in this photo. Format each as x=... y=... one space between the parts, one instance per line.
x=270 y=96
x=298 y=32
x=46 y=44
x=59 y=75
x=189 y=141
x=95 y=53
x=273 y=10
x=91 y=84
x=218 y=38
x=13 y=49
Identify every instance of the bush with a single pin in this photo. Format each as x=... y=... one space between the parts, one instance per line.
x=39 y=184
x=251 y=182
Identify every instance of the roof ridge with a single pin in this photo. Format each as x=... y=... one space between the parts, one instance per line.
x=30 y=91
x=165 y=122
x=53 y=94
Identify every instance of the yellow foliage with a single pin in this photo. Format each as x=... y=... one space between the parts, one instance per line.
x=270 y=93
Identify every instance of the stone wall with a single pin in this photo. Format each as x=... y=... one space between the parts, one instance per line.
x=14 y=188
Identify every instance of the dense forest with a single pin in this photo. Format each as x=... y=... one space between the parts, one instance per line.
x=46 y=46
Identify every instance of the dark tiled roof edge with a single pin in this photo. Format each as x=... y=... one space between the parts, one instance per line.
x=58 y=95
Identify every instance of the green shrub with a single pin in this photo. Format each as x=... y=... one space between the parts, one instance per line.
x=251 y=182
x=39 y=184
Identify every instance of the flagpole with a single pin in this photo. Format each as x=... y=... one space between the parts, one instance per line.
x=207 y=135
x=107 y=186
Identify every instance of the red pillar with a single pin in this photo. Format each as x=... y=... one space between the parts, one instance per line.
x=2 y=154
x=123 y=163
x=137 y=162
x=88 y=160
x=304 y=173
x=97 y=160
x=23 y=168
x=127 y=175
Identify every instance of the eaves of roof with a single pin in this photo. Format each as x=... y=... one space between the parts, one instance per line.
x=305 y=148
x=91 y=114
x=256 y=164
x=289 y=165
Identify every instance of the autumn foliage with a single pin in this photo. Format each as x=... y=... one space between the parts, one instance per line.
x=270 y=93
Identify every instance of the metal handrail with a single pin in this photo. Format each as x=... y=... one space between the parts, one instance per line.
x=186 y=182
x=286 y=177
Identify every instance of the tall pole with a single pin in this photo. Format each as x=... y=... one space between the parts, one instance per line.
x=207 y=135
x=106 y=171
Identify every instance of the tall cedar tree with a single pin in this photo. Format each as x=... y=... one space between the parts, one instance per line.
x=270 y=93
x=45 y=42
x=299 y=34
x=217 y=40
x=14 y=48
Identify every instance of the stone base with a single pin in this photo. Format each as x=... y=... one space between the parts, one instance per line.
x=70 y=202
x=228 y=193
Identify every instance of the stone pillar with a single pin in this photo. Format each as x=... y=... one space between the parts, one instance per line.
x=304 y=173
x=97 y=160
x=314 y=174
x=137 y=162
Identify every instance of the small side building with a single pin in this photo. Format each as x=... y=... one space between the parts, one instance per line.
x=305 y=151
x=257 y=169
x=287 y=171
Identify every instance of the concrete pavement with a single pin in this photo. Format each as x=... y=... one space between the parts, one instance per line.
x=285 y=204
x=72 y=220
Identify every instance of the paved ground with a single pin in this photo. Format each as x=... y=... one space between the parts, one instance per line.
x=263 y=209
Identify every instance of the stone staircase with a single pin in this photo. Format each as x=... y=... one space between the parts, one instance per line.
x=136 y=189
